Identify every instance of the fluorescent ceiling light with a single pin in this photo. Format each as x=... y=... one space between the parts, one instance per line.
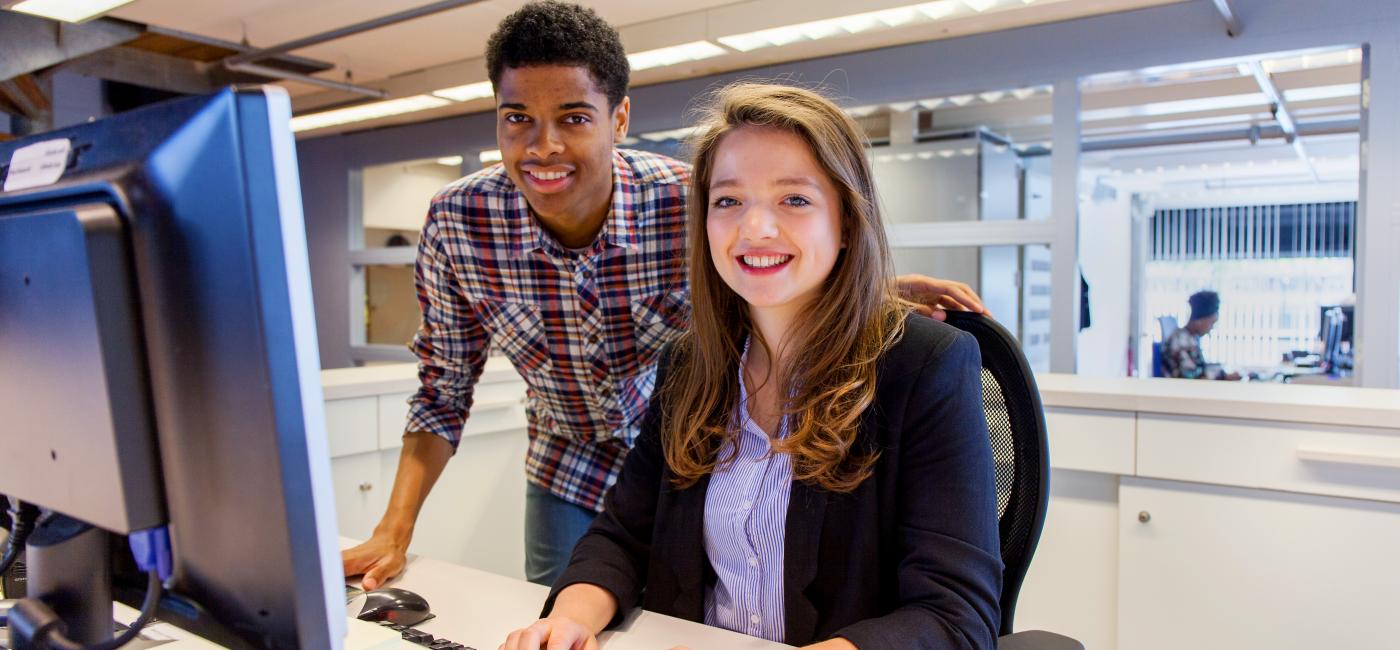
x=69 y=11
x=450 y=161
x=1178 y=106
x=490 y=156
x=370 y=111
x=843 y=25
x=664 y=56
x=468 y=92
x=980 y=6
x=1322 y=92
x=673 y=134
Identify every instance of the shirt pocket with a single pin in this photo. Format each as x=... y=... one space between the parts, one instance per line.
x=656 y=319
x=518 y=331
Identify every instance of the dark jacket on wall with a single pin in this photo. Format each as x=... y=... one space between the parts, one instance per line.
x=910 y=559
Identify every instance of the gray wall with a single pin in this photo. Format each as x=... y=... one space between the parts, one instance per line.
x=1176 y=33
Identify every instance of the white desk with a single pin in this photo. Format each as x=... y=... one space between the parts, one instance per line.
x=479 y=609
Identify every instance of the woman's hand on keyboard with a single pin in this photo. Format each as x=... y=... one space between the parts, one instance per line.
x=553 y=633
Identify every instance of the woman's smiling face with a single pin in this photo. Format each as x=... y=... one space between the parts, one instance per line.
x=774 y=218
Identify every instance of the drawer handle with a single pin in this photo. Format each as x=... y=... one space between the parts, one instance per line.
x=1348 y=458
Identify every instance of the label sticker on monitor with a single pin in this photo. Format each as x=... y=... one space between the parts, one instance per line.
x=38 y=164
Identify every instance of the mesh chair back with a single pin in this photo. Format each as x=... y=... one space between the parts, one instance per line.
x=1016 y=422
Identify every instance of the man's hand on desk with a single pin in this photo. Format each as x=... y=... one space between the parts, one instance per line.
x=379 y=558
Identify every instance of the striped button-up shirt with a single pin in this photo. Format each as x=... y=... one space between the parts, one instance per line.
x=746 y=507
x=583 y=327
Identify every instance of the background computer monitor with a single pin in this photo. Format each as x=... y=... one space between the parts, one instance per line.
x=158 y=357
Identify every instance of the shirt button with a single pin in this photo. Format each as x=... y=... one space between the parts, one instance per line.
x=753 y=618
x=746 y=505
x=753 y=561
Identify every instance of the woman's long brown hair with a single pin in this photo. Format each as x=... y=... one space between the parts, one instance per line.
x=829 y=371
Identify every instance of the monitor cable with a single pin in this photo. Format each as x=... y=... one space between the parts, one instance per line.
x=33 y=624
x=23 y=516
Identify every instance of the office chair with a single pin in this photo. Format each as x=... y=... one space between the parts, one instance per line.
x=1158 y=370
x=1016 y=423
x=1168 y=325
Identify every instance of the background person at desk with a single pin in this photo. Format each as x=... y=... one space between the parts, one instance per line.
x=814 y=467
x=1181 y=350
x=570 y=257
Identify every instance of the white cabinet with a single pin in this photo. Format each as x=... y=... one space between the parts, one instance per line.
x=475 y=515
x=1207 y=566
x=1091 y=440
x=360 y=493
x=351 y=426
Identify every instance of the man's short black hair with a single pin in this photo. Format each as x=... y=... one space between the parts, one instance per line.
x=1204 y=304
x=558 y=33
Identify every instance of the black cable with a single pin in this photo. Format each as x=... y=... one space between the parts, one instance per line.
x=56 y=641
x=22 y=519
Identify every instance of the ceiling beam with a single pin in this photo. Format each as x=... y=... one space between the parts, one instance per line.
x=1232 y=20
x=33 y=43
x=349 y=30
x=144 y=68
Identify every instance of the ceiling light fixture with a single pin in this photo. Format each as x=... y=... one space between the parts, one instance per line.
x=467 y=93
x=490 y=156
x=370 y=111
x=980 y=6
x=666 y=56
x=69 y=11
x=844 y=25
x=450 y=161
x=674 y=134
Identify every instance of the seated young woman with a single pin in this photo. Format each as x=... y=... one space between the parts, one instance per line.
x=814 y=467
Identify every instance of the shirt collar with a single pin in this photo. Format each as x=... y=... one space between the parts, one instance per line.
x=619 y=228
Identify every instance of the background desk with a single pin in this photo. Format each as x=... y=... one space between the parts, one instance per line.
x=479 y=609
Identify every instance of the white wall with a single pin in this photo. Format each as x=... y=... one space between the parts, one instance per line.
x=1105 y=259
x=396 y=196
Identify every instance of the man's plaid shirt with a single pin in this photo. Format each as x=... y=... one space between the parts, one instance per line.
x=582 y=327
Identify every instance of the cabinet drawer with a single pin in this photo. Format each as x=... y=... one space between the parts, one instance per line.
x=1359 y=462
x=350 y=426
x=393 y=418
x=1090 y=440
x=496 y=406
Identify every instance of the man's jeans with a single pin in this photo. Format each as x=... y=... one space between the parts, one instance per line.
x=552 y=527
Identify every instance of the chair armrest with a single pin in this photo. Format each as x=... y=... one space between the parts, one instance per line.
x=1037 y=640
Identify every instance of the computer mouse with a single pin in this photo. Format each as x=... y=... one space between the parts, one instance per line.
x=397 y=606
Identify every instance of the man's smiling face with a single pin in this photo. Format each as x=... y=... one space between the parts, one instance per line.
x=556 y=133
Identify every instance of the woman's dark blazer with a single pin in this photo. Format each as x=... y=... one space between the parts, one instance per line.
x=910 y=559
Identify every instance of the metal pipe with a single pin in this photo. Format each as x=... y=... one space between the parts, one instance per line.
x=342 y=32
x=1327 y=127
x=1282 y=114
x=1232 y=20
x=264 y=71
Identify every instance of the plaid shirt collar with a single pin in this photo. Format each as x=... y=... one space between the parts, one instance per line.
x=619 y=229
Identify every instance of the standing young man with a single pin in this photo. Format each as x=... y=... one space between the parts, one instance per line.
x=570 y=255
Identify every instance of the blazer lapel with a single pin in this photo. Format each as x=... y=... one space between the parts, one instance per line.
x=687 y=549
x=802 y=541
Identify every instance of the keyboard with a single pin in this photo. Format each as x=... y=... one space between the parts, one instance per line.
x=424 y=639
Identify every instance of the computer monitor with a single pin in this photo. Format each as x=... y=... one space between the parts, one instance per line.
x=1348 y=326
x=158 y=357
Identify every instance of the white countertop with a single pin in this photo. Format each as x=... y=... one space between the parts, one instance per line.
x=388 y=379
x=479 y=609
x=1338 y=405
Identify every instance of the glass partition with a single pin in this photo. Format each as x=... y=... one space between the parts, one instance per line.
x=1237 y=176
